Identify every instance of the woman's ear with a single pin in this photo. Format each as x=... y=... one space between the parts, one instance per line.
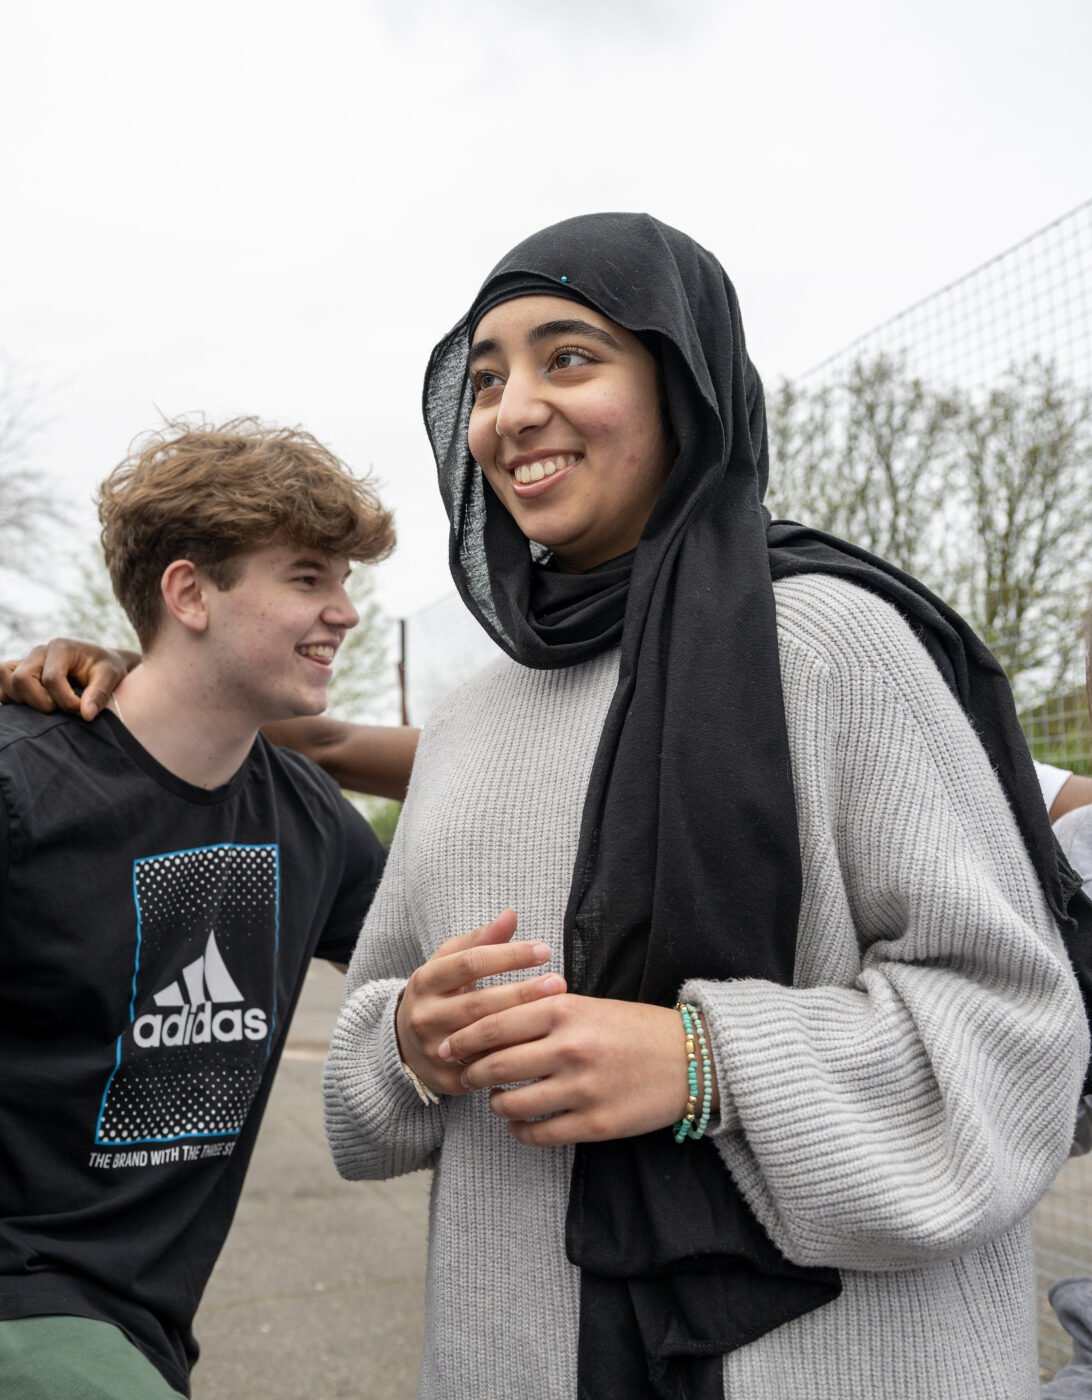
x=184 y=594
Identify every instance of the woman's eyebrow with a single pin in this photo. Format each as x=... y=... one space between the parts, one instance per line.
x=548 y=329
x=480 y=349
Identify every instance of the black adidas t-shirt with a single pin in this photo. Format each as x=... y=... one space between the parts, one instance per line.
x=154 y=938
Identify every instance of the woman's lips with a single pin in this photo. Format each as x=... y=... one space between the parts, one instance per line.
x=553 y=470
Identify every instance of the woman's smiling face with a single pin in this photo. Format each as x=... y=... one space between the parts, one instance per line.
x=567 y=426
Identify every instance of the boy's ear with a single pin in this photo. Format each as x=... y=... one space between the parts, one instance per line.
x=184 y=590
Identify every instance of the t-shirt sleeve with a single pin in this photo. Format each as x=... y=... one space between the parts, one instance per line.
x=1051 y=781
x=362 y=870
x=1074 y=833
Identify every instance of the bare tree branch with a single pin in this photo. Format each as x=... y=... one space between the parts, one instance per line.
x=1026 y=467
x=28 y=508
x=987 y=498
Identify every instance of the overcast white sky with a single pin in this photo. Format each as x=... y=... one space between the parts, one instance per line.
x=278 y=209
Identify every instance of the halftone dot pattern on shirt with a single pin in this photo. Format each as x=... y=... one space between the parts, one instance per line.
x=203 y=1006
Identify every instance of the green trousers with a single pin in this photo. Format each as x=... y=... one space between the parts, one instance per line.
x=75 y=1358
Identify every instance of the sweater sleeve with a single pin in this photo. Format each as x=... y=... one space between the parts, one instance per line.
x=377 y=1125
x=914 y=1093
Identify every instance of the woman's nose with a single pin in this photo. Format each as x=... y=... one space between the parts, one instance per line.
x=522 y=406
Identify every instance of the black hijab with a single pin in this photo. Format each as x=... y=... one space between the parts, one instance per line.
x=688 y=863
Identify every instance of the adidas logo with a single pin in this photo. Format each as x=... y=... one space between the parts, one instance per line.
x=205 y=984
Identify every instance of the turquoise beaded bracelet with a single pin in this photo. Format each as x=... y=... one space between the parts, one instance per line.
x=691 y=1125
x=706 y=1076
x=686 y=1123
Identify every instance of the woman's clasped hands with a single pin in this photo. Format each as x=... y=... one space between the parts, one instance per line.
x=559 y=1068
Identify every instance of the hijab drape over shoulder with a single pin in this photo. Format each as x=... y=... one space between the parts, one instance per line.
x=688 y=863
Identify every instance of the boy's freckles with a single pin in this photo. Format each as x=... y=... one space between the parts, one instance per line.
x=274 y=635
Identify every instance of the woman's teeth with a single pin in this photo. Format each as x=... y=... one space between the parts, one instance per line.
x=536 y=471
x=319 y=652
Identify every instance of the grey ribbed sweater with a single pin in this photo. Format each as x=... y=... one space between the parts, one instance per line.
x=896 y=1113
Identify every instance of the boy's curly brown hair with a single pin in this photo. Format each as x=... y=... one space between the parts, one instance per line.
x=214 y=494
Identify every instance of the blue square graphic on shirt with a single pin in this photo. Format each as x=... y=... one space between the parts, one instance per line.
x=203 y=1004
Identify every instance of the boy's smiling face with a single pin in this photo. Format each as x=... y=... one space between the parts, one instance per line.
x=271 y=637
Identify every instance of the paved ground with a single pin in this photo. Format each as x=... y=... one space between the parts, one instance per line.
x=318 y=1294
x=1063 y=1243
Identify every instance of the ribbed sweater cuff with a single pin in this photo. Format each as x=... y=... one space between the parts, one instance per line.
x=366 y=1081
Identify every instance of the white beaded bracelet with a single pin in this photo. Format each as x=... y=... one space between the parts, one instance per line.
x=424 y=1093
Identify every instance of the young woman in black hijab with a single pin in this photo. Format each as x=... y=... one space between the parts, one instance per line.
x=742 y=768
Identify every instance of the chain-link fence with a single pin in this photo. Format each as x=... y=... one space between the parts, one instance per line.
x=992 y=372
x=1035 y=299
